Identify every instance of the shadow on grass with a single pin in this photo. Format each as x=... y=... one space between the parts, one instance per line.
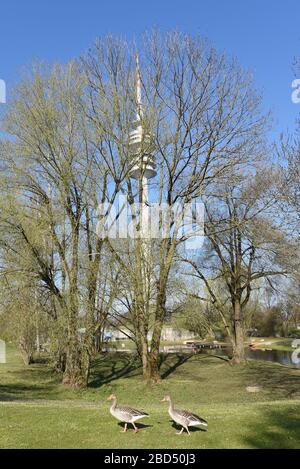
x=168 y=363
x=39 y=380
x=140 y=426
x=281 y=382
x=19 y=391
x=33 y=382
x=111 y=367
x=41 y=359
x=281 y=430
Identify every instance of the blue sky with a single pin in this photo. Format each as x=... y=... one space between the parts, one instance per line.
x=264 y=35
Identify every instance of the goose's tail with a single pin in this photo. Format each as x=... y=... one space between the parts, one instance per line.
x=203 y=422
x=200 y=421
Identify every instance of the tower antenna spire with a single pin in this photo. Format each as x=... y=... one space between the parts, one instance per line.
x=143 y=162
x=138 y=87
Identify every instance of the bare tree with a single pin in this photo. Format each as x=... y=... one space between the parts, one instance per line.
x=244 y=246
x=203 y=118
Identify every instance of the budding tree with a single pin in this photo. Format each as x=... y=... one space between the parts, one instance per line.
x=52 y=183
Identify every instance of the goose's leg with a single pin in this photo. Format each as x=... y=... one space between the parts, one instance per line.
x=179 y=433
x=135 y=427
x=187 y=429
x=125 y=428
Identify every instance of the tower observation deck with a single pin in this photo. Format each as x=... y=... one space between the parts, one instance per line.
x=142 y=161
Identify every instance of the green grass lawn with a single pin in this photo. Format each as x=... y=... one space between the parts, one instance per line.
x=36 y=411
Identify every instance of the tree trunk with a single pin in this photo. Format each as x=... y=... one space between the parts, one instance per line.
x=27 y=357
x=77 y=352
x=145 y=360
x=60 y=361
x=27 y=350
x=77 y=357
x=150 y=366
x=238 y=335
x=153 y=371
x=153 y=374
x=149 y=362
x=77 y=366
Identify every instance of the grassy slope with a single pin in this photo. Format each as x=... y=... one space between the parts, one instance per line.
x=36 y=411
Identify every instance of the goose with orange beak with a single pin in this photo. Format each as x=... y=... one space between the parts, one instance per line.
x=125 y=414
x=183 y=417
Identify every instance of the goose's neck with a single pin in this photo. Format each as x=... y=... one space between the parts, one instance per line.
x=171 y=405
x=114 y=403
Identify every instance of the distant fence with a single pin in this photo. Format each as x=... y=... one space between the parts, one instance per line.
x=2 y=351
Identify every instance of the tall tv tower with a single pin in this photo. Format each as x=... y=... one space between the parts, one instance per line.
x=142 y=169
x=143 y=162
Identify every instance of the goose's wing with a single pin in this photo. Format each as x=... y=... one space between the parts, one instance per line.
x=131 y=411
x=192 y=418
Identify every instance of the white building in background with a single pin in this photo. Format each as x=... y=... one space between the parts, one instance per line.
x=116 y=334
x=2 y=351
x=169 y=334
x=172 y=335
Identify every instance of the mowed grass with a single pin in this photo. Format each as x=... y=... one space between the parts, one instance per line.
x=36 y=411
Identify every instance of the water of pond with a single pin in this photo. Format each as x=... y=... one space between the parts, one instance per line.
x=275 y=356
